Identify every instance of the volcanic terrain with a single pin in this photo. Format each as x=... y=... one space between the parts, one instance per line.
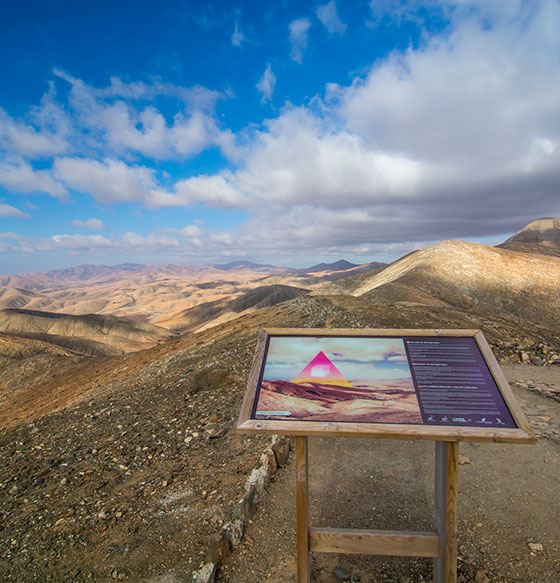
x=121 y=466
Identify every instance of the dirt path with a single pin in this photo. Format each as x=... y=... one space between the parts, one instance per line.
x=508 y=498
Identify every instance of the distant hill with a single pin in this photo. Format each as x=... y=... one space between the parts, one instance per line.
x=541 y=236
x=340 y=265
x=470 y=276
x=13 y=297
x=207 y=314
x=150 y=293
x=15 y=347
x=80 y=333
x=243 y=264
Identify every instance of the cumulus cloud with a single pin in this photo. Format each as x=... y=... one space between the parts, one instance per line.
x=21 y=137
x=95 y=224
x=7 y=210
x=113 y=181
x=215 y=191
x=192 y=231
x=298 y=38
x=298 y=160
x=71 y=242
x=183 y=245
x=117 y=119
x=458 y=137
x=328 y=15
x=18 y=175
x=266 y=84
x=197 y=97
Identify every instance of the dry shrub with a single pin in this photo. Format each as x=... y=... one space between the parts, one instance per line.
x=208 y=379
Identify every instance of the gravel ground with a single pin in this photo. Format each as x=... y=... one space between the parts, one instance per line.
x=508 y=500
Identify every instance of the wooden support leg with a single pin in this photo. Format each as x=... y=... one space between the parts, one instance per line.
x=446 y=486
x=302 y=507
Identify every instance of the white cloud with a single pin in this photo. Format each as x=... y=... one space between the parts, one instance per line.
x=192 y=231
x=237 y=37
x=328 y=15
x=23 y=138
x=197 y=97
x=95 y=224
x=114 y=122
x=266 y=84
x=298 y=38
x=473 y=102
x=214 y=191
x=7 y=210
x=17 y=175
x=71 y=242
x=113 y=182
x=13 y=236
x=298 y=160
x=131 y=240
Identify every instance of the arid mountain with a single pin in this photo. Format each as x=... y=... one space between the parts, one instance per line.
x=17 y=348
x=13 y=297
x=164 y=295
x=541 y=236
x=340 y=265
x=339 y=270
x=209 y=314
x=104 y=459
x=82 y=333
x=483 y=280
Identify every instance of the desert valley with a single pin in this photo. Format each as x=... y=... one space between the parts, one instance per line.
x=120 y=388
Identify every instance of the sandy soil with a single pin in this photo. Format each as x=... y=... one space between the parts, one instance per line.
x=508 y=498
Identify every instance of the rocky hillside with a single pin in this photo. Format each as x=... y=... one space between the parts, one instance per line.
x=121 y=467
x=81 y=333
x=467 y=276
x=541 y=236
x=208 y=314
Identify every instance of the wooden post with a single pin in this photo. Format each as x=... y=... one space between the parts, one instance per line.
x=302 y=509
x=446 y=486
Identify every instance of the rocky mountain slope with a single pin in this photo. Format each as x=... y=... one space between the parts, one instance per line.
x=467 y=276
x=208 y=314
x=541 y=236
x=122 y=466
x=82 y=333
x=108 y=466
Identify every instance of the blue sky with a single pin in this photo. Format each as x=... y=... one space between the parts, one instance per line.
x=281 y=132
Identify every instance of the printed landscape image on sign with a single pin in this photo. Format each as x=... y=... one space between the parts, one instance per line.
x=379 y=379
x=337 y=379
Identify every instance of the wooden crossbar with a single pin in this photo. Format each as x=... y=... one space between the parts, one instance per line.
x=374 y=542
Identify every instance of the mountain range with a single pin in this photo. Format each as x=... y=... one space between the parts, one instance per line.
x=79 y=315
x=121 y=387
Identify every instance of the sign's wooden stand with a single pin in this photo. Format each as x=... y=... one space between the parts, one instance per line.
x=441 y=544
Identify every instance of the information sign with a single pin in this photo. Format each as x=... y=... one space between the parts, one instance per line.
x=430 y=383
x=443 y=385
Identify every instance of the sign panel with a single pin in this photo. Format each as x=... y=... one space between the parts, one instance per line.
x=416 y=382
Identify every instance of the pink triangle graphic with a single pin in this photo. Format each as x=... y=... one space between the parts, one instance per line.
x=322 y=370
